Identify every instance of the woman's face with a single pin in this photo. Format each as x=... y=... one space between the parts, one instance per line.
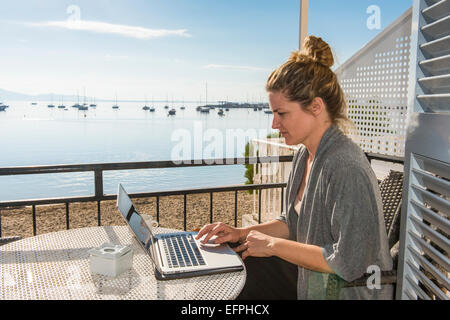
x=294 y=124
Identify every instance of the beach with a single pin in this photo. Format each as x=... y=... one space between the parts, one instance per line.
x=51 y=218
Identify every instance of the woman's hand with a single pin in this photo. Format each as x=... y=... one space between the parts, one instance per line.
x=224 y=233
x=257 y=244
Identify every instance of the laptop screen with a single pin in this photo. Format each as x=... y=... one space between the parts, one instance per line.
x=136 y=222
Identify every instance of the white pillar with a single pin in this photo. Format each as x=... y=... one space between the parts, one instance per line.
x=303 y=25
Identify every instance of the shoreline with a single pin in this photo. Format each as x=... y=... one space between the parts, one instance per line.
x=52 y=218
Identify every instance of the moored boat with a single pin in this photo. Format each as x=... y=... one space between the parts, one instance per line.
x=116 y=106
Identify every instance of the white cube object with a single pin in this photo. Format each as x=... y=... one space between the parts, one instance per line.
x=110 y=259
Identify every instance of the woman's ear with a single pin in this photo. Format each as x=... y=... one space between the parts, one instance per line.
x=317 y=106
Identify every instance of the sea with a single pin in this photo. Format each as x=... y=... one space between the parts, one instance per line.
x=34 y=135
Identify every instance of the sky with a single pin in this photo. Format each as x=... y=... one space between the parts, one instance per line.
x=182 y=50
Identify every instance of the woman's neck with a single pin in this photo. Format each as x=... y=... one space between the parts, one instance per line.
x=313 y=141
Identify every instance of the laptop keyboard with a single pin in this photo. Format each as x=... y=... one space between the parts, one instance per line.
x=182 y=251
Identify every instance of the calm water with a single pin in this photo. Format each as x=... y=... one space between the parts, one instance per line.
x=37 y=135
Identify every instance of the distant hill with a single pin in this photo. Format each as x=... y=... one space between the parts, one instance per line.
x=9 y=95
x=6 y=95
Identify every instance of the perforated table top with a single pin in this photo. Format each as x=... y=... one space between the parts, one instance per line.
x=56 y=266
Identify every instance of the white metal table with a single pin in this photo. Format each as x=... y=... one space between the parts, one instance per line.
x=56 y=266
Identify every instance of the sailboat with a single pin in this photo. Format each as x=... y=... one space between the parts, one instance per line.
x=116 y=106
x=145 y=107
x=206 y=108
x=62 y=106
x=77 y=105
x=93 y=105
x=3 y=106
x=167 y=101
x=51 y=105
x=172 y=111
x=84 y=107
x=152 y=108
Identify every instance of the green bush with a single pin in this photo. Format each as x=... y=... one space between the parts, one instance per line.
x=249 y=174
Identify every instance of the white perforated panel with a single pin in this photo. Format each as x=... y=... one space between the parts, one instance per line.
x=375 y=82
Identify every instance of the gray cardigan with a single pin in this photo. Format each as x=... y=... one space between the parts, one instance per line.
x=342 y=212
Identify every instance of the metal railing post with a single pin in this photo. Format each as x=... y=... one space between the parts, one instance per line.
x=67 y=216
x=235 y=207
x=157 y=209
x=99 y=214
x=185 y=213
x=34 y=220
x=259 y=205
x=98 y=176
x=98 y=183
x=210 y=207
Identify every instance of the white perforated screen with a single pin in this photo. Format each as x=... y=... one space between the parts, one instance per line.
x=375 y=82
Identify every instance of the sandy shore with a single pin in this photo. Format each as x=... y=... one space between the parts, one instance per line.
x=50 y=218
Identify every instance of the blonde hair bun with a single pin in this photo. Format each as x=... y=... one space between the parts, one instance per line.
x=316 y=50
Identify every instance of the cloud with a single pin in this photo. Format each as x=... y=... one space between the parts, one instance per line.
x=109 y=57
x=104 y=27
x=231 y=67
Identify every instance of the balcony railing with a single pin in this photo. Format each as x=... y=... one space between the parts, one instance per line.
x=99 y=195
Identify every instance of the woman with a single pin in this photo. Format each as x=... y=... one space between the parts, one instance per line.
x=333 y=227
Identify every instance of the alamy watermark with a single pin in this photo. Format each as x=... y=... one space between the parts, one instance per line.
x=214 y=146
x=374 y=280
x=74 y=13
x=374 y=20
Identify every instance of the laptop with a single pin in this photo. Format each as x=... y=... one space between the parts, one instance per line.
x=177 y=255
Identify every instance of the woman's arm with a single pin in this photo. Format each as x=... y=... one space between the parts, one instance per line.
x=226 y=233
x=274 y=228
x=258 y=244
x=304 y=255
